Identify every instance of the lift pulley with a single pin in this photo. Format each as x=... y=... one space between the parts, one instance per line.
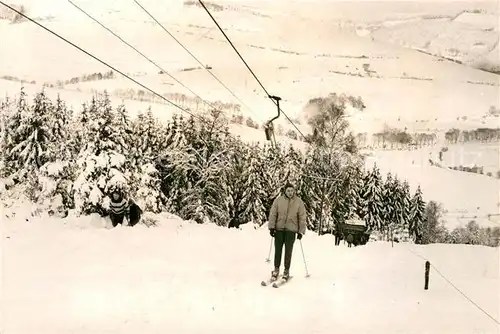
x=269 y=126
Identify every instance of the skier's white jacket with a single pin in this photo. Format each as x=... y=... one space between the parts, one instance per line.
x=288 y=214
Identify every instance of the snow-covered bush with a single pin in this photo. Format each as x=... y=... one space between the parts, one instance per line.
x=98 y=176
x=56 y=180
x=149 y=196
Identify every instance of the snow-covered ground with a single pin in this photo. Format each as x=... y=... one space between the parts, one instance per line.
x=473 y=154
x=75 y=276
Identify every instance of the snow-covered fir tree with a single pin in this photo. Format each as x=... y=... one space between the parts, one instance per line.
x=292 y=168
x=207 y=199
x=6 y=111
x=101 y=159
x=174 y=164
x=237 y=182
x=356 y=186
x=148 y=140
x=122 y=132
x=14 y=113
x=337 y=193
x=149 y=195
x=13 y=134
x=149 y=136
x=406 y=210
x=417 y=215
x=389 y=213
x=272 y=174
x=78 y=126
x=346 y=200
x=373 y=200
x=399 y=227
x=321 y=181
x=56 y=186
x=33 y=149
x=61 y=131
x=254 y=206
x=310 y=188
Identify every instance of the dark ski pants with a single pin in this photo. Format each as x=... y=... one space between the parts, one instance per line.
x=337 y=238
x=116 y=219
x=287 y=239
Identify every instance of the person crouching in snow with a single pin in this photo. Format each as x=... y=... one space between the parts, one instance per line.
x=287 y=221
x=121 y=208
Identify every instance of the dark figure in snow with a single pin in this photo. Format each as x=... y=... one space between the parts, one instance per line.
x=287 y=221
x=121 y=208
x=349 y=240
x=338 y=235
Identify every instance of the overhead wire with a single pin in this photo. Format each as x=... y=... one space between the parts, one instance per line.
x=125 y=75
x=249 y=68
x=142 y=54
x=455 y=287
x=195 y=58
x=99 y=60
x=272 y=98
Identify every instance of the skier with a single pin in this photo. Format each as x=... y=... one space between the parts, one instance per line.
x=121 y=208
x=287 y=221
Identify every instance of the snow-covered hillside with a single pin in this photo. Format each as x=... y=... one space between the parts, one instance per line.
x=307 y=53
x=469 y=37
x=73 y=275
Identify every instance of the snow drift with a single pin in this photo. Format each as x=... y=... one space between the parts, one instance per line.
x=189 y=278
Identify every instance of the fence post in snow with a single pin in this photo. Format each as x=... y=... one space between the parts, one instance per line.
x=427 y=269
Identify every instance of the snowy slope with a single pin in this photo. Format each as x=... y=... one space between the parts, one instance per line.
x=470 y=37
x=62 y=276
x=305 y=54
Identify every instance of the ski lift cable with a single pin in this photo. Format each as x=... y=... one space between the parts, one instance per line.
x=454 y=286
x=99 y=60
x=102 y=61
x=120 y=72
x=195 y=58
x=139 y=52
x=248 y=67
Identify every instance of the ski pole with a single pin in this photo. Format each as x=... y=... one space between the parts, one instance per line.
x=269 y=255
x=304 y=257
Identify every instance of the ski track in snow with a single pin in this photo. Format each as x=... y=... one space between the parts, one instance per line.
x=62 y=276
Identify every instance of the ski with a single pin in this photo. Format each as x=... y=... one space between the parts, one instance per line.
x=268 y=281
x=281 y=282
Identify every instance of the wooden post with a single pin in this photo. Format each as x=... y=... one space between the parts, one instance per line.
x=427 y=269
